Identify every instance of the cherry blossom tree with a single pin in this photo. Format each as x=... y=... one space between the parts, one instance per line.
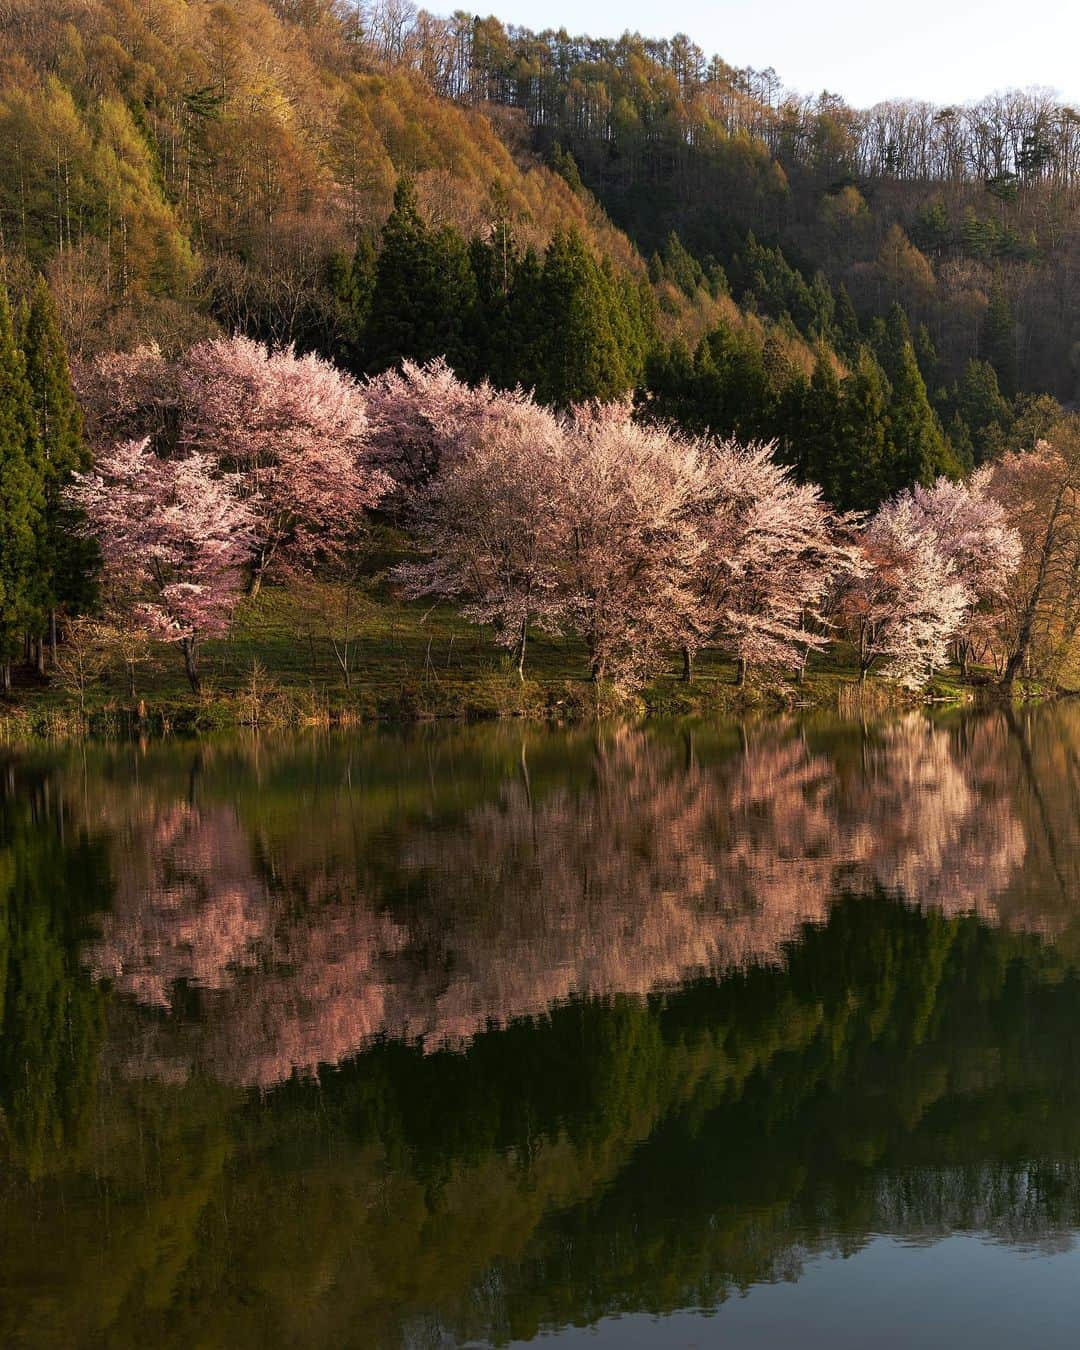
x=970 y=529
x=174 y=538
x=490 y=526
x=128 y=395
x=294 y=428
x=774 y=554
x=421 y=418
x=907 y=602
x=625 y=496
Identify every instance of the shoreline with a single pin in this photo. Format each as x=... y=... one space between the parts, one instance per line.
x=37 y=718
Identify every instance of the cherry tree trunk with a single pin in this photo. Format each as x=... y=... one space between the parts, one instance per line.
x=687 y=665
x=189 y=646
x=522 y=638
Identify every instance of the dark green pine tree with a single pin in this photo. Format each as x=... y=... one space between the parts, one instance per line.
x=21 y=493
x=917 y=450
x=679 y=267
x=816 y=447
x=633 y=319
x=353 y=283
x=65 y=559
x=999 y=340
x=734 y=393
x=858 y=474
x=671 y=386
x=522 y=360
x=581 y=358
x=889 y=337
x=977 y=404
x=926 y=354
x=424 y=295
x=494 y=262
x=846 y=337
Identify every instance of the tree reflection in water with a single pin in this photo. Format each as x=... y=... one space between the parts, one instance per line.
x=542 y=1026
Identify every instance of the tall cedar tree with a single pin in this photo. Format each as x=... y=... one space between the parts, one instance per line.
x=65 y=559
x=581 y=357
x=21 y=495
x=424 y=294
x=1000 y=339
x=858 y=474
x=917 y=450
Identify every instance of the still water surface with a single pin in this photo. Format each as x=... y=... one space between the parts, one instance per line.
x=720 y=1035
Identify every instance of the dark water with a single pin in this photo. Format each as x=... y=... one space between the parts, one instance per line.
x=725 y=1036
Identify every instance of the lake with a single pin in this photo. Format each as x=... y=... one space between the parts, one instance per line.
x=676 y=1035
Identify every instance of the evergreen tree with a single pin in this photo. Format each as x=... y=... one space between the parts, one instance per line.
x=519 y=362
x=671 y=385
x=1000 y=340
x=927 y=356
x=581 y=358
x=917 y=450
x=889 y=339
x=816 y=448
x=64 y=561
x=424 y=294
x=353 y=283
x=977 y=405
x=845 y=325
x=858 y=474
x=21 y=491
x=679 y=267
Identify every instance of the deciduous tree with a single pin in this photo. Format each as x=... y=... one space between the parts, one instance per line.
x=174 y=538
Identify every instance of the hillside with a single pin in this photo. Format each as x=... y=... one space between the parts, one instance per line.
x=887 y=294
x=174 y=162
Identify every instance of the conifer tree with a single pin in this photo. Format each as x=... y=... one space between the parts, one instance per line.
x=1000 y=339
x=917 y=451
x=63 y=559
x=857 y=481
x=977 y=404
x=816 y=451
x=927 y=356
x=495 y=264
x=353 y=283
x=581 y=359
x=519 y=363
x=20 y=495
x=845 y=325
x=424 y=294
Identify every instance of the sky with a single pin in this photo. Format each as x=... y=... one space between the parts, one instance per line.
x=945 y=51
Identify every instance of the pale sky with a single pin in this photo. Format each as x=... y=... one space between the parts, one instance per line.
x=946 y=51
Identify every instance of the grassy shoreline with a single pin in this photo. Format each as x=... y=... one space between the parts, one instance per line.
x=416 y=664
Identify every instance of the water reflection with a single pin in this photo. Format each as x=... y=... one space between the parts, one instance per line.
x=407 y=1040
x=658 y=862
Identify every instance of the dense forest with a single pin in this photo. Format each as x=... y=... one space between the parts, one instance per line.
x=882 y=296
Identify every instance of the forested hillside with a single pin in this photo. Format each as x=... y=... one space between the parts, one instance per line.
x=178 y=167
x=243 y=220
